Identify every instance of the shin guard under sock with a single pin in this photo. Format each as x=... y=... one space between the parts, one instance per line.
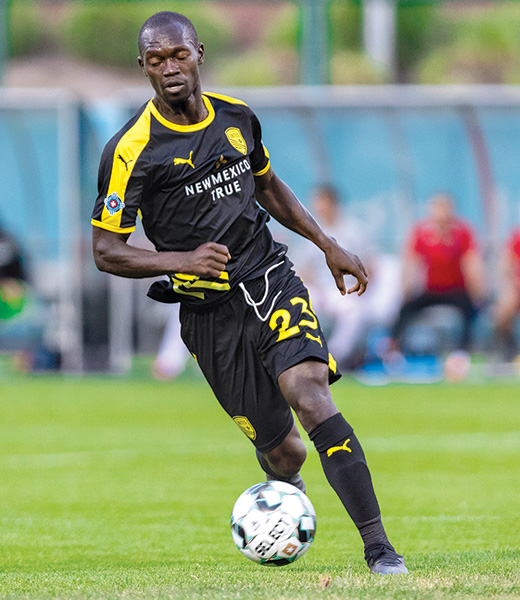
x=345 y=467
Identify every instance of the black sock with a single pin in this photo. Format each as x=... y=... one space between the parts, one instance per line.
x=345 y=467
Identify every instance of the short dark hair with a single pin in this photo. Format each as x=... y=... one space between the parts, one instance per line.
x=165 y=17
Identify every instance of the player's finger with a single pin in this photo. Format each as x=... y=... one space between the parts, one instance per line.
x=354 y=288
x=359 y=287
x=340 y=283
x=219 y=249
x=218 y=262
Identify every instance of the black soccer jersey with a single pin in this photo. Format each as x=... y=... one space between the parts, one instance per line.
x=191 y=184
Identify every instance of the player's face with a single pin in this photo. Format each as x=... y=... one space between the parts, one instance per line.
x=171 y=62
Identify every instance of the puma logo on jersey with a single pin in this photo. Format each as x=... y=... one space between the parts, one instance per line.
x=184 y=161
x=125 y=162
x=331 y=451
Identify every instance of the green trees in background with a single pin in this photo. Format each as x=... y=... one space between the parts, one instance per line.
x=436 y=43
x=483 y=47
x=103 y=32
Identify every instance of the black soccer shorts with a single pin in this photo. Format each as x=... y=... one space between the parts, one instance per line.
x=245 y=343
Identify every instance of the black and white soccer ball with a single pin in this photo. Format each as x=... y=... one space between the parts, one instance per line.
x=273 y=523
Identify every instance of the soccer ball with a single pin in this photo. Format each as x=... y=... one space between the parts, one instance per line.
x=273 y=523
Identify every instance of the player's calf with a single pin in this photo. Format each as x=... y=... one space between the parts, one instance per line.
x=284 y=462
x=345 y=467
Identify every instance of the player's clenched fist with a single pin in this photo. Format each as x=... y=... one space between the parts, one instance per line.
x=209 y=260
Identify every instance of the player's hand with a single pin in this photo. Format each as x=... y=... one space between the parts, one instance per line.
x=341 y=262
x=208 y=260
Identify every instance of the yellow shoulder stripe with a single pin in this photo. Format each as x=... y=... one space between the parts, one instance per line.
x=127 y=152
x=225 y=98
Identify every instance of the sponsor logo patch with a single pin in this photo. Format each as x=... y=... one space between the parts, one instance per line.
x=236 y=139
x=245 y=425
x=114 y=204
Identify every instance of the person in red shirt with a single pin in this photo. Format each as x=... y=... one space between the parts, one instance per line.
x=442 y=265
x=507 y=306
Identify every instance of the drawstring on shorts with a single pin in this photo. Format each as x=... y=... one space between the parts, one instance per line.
x=249 y=300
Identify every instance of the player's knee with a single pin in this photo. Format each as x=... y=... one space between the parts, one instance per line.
x=306 y=389
x=288 y=458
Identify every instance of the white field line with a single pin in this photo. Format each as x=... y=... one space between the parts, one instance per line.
x=64 y=459
x=506 y=443
x=460 y=442
x=447 y=518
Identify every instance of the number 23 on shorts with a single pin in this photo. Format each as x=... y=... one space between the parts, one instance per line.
x=281 y=320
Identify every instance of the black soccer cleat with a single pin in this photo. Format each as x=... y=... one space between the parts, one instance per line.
x=384 y=560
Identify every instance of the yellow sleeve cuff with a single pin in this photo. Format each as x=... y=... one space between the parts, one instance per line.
x=112 y=227
x=264 y=170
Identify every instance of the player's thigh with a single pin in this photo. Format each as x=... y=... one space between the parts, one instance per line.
x=295 y=352
x=229 y=359
x=292 y=333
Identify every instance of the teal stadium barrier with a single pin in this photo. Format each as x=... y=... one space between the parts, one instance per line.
x=387 y=149
x=39 y=206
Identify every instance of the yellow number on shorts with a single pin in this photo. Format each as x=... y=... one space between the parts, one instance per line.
x=305 y=310
x=284 y=331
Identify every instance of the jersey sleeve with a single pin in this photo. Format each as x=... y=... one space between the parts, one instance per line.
x=259 y=157
x=120 y=186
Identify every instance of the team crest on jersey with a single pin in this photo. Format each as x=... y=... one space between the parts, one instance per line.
x=114 y=204
x=236 y=139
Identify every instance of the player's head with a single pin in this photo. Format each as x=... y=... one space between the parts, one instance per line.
x=326 y=204
x=441 y=208
x=164 y=19
x=170 y=54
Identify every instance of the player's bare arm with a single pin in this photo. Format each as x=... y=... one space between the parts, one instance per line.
x=279 y=201
x=114 y=255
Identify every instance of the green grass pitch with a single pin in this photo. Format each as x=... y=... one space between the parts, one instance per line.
x=122 y=488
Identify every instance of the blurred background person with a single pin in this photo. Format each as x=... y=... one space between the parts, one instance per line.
x=442 y=265
x=507 y=304
x=22 y=314
x=13 y=278
x=347 y=319
x=172 y=355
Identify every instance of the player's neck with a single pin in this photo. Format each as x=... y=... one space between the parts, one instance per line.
x=188 y=112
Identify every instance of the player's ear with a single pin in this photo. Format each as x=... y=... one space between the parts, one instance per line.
x=200 y=51
x=141 y=64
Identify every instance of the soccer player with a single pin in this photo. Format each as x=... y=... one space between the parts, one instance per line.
x=193 y=165
x=507 y=306
x=442 y=252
